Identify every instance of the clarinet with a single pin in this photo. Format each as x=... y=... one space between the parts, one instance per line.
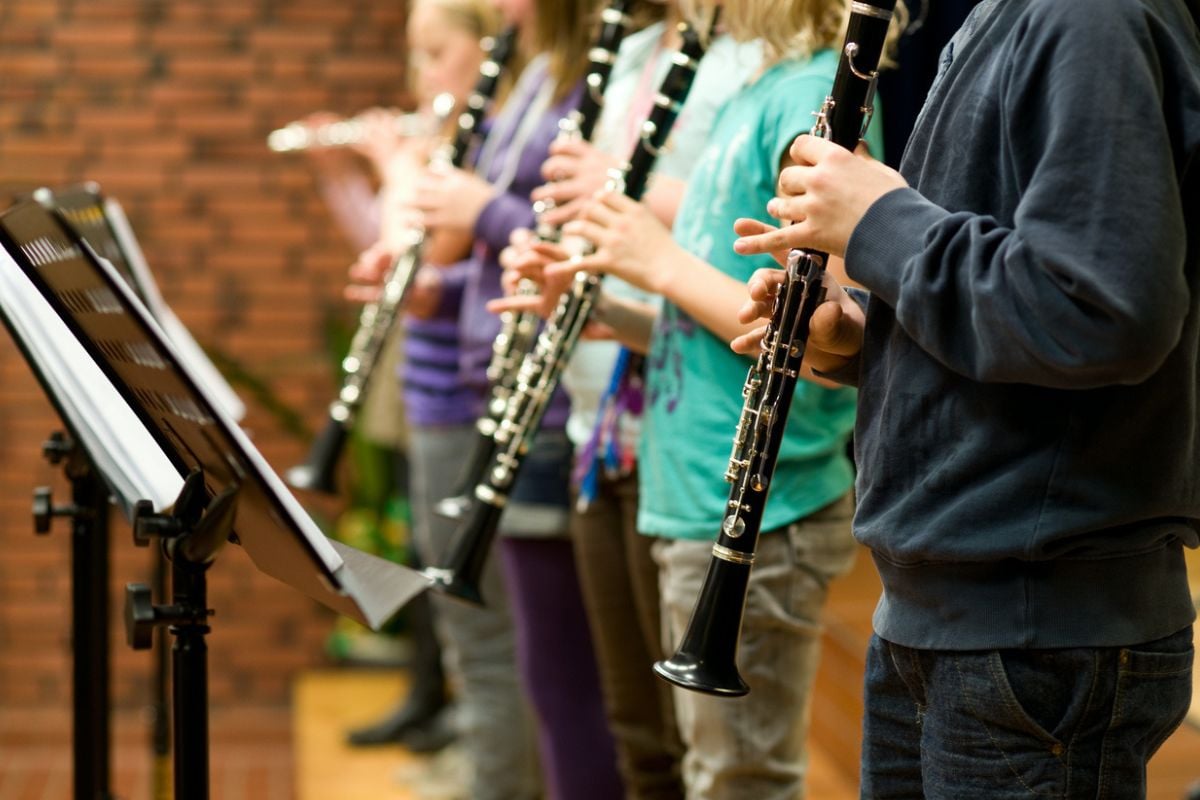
x=706 y=658
x=541 y=369
x=377 y=318
x=518 y=331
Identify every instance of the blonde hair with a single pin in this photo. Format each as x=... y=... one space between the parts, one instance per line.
x=480 y=19
x=476 y=17
x=787 y=28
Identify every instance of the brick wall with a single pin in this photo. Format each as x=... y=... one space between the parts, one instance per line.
x=167 y=104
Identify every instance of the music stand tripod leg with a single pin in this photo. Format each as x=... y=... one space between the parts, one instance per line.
x=91 y=722
x=192 y=535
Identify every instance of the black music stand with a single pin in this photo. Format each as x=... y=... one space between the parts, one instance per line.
x=230 y=493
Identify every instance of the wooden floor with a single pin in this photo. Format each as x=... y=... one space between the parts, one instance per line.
x=329 y=702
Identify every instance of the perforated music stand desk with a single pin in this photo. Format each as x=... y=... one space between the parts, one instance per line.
x=249 y=502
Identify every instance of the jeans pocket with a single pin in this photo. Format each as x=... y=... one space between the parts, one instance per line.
x=1154 y=690
x=1037 y=697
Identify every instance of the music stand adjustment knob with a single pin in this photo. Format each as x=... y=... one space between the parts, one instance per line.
x=147 y=525
x=44 y=510
x=57 y=447
x=141 y=617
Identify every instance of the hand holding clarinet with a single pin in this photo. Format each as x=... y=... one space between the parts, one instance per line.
x=825 y=194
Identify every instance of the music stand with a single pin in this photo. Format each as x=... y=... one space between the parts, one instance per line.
x=102 y=223
x=231 y=493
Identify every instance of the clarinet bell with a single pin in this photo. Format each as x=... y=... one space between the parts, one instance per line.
x=706 y=660
x=460 y=577
x=317 y=473
x=691 y=671
x=474 y=470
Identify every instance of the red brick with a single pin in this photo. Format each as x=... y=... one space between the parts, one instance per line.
x=31 y=10
x=30 y=64
x=293 y=39
x=24 y=35
x=127 y=11
x=98 y=36
x=317 y=14
x=98 y=66
x=206 y=67
x=120 y=120
x=370 y=69
x=176 y=37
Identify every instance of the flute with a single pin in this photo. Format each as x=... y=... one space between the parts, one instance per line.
x=298 y=136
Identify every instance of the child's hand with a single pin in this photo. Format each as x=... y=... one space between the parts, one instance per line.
x=526 y=258
x=629 y=242
x=824 y=195
x=575 y=171
x=835 y=334
x=367 y=273
x=451 y=198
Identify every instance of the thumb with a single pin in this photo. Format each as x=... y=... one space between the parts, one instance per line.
x=830 y=331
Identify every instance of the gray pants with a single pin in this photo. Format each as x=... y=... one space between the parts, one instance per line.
x=752 y=748
x=480 y=653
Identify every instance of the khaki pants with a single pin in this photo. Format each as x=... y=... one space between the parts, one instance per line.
x=752 y=748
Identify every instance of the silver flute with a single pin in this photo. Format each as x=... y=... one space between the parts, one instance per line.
x=299 y=136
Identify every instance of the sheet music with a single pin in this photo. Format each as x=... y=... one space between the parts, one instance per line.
x=123 y=450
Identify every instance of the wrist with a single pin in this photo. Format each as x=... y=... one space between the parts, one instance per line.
x=665 y=267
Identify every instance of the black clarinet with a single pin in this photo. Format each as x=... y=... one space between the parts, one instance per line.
x=541 y=369
x=706 y=658
x=378 y=318
x=518 y=331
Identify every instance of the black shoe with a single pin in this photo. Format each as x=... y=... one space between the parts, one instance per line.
x=433 y=735
x=393 y=728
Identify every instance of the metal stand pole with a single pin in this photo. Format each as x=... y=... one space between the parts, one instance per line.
x=189 y=683
x=91 y=734
x=192 y=535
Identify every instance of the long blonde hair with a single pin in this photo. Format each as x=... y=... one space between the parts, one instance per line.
x=787 y=28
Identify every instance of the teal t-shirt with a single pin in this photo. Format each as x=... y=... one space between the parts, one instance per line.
x=693 y=380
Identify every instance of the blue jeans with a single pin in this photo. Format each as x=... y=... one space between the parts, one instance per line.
x=1066 y=723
